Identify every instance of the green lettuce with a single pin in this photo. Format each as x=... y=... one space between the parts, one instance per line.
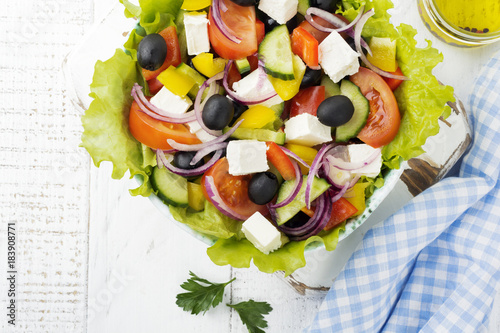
x=153 y=15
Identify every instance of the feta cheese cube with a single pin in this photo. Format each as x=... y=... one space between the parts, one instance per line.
x=337 y=58
x=305 y=129
x=254 y=86
x=246 y=156
x=261 y=233
x=279 y=10
x=194 y=126
x=339 y=177
x=359 y=153
x=168 y=101
x=196 y=25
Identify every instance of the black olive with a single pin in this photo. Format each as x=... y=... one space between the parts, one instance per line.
x=238 y=111
x=328 y=5
x=335 y=111
x=245 y=3
x=312 y=77
x=298 y=220
x=151 y=52
x=217 y=113
x=263 y=187
x=182 y=160
x=271 y=23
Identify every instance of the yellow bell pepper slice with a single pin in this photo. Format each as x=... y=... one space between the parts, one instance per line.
x=306 y=153
x=176 y=81
x=195 y=4
x=289 y=88
x=356 y=196
x=384 y=53
x=257 y=116
x=207 y=65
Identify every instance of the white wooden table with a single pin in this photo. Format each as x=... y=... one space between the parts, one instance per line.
x=91 y=258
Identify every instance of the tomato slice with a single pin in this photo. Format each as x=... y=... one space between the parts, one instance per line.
x=241 y=22
x=307 y=101
x=341 y=211
x=261 y=30
x=173 y=53
x=384 y=118
x=280 y=160
x=394 y=83
x=233 y=75
x=154 y=133
x=232 y=189
x=321 y=35
x=154 y=85
x=305 y=46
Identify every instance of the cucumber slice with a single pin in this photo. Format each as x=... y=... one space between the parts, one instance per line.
x=303 y=5
x=278 y=109
x=197 y=77
x=331 y=88
x=276 y=50
x=195 y=196
x=258 y=134
x=285 y=213
x=172 y=189
x=361 y=111
x=243 y=65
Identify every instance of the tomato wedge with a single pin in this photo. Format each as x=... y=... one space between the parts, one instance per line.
x=232 y=189
x=305 y=46
x=154 y=133
x=260 y=28
x=154 y=86
x=307 y=101
x=173 y=53
x=394 y=83
x=318 y=34
x=241 y=21
x=280 y=160
x=384 y=118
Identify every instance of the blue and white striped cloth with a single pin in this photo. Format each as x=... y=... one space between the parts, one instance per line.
x=434 y=265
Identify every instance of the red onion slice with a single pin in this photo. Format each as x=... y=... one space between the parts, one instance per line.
x=350 y=166
x=294 y=156
x=207 y=150
x=315 y=166
x=357 y=42
x=219 y=22
x=340 y=193
x=196 y=147
x=156 y=113
x=192 y=172
x=218 y=202
x=296 y=188
x=237 y=98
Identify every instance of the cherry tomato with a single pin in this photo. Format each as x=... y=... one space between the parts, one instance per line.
x=384 y=118
x=321 y=35
x=394 y=83
x=307 y=101
x=173 y=53
x=154 y=133
x=305 y=46
x=242 y=22
x=232 y=189
x=280 y=160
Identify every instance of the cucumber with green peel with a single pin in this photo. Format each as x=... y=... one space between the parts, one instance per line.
x=197 y=77
x=278 y=109
x=303 y=6
x=258 y=134
x=172 y=189
x=243 y=65
x=276 y=50
x=361 y=111
x=331 y=88
x=285 y=213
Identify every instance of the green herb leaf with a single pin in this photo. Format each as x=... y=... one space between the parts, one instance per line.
x=252 y=314
x=201 y=295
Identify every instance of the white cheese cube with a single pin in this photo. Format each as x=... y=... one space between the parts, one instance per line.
x=194 y=126
x=168 y=101
x=339 y=177
x=279 y=10
x=204 y=136
x=305 y=129
x=337 y=58
x=359 y=153
x=246 y=156
x=261 y=233
x=253 y=86
x=196 y=25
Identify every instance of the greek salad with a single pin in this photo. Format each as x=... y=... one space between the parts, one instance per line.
x=264 y=124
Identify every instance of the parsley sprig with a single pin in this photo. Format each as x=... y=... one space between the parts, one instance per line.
x=252 y=314
x=201 y=294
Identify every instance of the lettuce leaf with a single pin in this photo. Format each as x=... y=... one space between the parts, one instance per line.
x=153 y=15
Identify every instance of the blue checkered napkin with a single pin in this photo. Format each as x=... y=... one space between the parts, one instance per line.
x=434 y=265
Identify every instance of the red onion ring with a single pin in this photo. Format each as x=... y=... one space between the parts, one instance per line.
x=315 y=165
x=294 y=156
x=219 y=22
x=296 y=189
x=192 y=172
x=217 y=201
x=207 y=150
x=357 y=42
x=340 y=193
x=196 y=147
x=353 y=167
x=237 y=98
x=156 y=113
